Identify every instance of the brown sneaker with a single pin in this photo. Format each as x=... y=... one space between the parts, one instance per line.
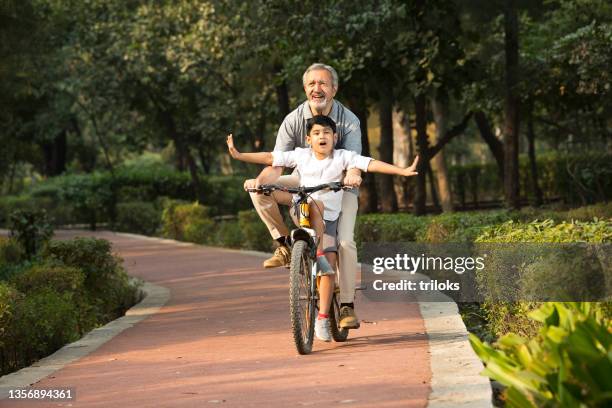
x=348 y=318
x=281 y=257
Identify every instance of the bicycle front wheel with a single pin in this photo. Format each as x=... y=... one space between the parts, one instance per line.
x=302 y=297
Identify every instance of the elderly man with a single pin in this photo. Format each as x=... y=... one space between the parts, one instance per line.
x=320 y=85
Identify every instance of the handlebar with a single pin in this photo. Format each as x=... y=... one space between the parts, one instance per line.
x=269 y=188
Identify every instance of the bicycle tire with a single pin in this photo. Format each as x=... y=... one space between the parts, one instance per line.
x=302 y=297
x=338 y=333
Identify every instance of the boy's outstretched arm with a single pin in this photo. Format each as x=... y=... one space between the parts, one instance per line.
x=377 y=166
x=259 y=157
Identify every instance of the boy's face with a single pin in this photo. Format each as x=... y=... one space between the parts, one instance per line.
x=321 y=139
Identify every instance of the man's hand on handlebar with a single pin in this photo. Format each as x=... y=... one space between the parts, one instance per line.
x=250 y=183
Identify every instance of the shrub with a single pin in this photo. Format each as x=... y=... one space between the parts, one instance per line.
x=10 y=251
x=556 y=270
x=90 y=195
x=229 y=234
x=46 y=320
x=389 y=228
x=31 y=229
x=137 y=217
x=106 y=281
x=590 y=212
x=59 y=278
x=567 y=364
x=187 y=222
x=9 y=297
x=255 y=233
x=10 y=204
x=462 y=227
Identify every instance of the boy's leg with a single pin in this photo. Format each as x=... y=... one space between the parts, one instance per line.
x=326 y=261
x=269 y=212
x=347 y=259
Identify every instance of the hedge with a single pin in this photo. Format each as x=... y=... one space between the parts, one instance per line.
x=69 y=289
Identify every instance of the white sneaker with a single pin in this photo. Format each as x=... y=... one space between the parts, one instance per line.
x=322 y=330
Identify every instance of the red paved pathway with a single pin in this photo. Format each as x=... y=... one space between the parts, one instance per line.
x=223 y=339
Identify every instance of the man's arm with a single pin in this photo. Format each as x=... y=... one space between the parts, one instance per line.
x=377 y=166
x=258 y=158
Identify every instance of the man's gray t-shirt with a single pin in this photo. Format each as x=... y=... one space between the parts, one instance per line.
x=292 y=132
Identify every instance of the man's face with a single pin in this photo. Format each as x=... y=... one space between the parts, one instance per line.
x=319 y=90
x=321 y=139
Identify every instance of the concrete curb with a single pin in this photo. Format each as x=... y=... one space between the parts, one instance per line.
x=455 y=368
x=156 y=297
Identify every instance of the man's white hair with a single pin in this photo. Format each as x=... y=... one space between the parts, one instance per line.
x=317 y=66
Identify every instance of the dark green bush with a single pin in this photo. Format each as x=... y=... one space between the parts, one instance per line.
x=31 y=228
x=137 y=217
x=9 y=297
x=106 y=281
x=590 y=212
x=254 y=231
x=187 y=222
x=462 y=226
x=229 y=234
x=389 y=228
x=10 y=204
x=10 y=251
x=59 y=278
x=47 y=320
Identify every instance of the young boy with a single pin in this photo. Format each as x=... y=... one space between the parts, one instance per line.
x=320 y=164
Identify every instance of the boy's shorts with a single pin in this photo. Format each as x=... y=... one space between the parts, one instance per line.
x=330 y=236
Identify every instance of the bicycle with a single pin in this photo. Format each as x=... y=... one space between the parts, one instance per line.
x=303 y=290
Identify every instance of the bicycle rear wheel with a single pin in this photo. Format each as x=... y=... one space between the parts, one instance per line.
x=302 y=297
x=338 y=333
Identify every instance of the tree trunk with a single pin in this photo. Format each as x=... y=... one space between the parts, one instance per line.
x=183 y=151
x=440 y=112
x=388 y=200
x=432 y=188
x=511 y=107
x=420 y=198
x=496 y=147
x=535 y=185
x=54 y=153
x=401 y=157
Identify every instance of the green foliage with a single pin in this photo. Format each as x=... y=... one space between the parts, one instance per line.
x=576 y=179
x=567 y=364
x=9 y=297
x=187 y=222
x=48 y=320
x=598 y=231
x=59 y=278
x=463 y=226
x=590 y=212
x=106 y=281
x=31 y=228
x=10 y=251
x=389 y=228
x=557 y=270
x=138 y=217
x=229 y=234
x=254 y=232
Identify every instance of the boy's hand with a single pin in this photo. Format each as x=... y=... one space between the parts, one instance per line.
x=230 y=146
x=352 y=180
x=410 y=171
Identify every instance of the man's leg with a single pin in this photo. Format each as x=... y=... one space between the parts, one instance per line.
x=269 y=212
x=347 y=254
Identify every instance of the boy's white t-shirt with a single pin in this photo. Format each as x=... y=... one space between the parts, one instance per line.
x=313 y=172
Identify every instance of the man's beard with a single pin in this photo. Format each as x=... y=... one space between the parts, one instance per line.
x=319 y=107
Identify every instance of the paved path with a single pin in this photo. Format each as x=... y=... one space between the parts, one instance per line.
x=223 y=339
